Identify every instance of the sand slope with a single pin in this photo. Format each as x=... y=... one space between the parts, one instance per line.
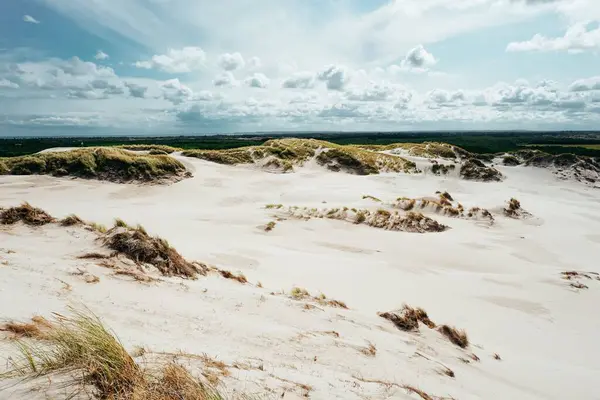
x=501 y=283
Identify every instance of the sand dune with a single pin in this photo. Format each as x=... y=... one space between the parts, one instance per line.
x=503 y=283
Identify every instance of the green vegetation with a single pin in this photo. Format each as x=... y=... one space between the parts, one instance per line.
x=97 y=163
x=473 y=169
x=581 y=143
x=81 y=346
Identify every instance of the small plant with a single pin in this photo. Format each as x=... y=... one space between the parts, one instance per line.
x=98 y=227
x=408 y=318
x=274 y=206
x=119 y=223
x=497 y=357
x=360 y=217
x=229 y=275
x=71 y=220
x=370 y=350
x=458 y=337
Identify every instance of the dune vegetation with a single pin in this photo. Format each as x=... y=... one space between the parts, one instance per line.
x=108 y=164
x=475 y=170
x=389 y=220
x=284 y=154
x=81 y=347
x=425 y=149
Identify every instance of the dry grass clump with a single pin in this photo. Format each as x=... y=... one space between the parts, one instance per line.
x=136 y=244
x=302 y=294
x=514 y=210
x=93 y=226
x=273 y=206
x=408 y=318
x=110 y=164
x=369 y=351
x=26 y=213
x=229 y=275
x=270 y=226
x=71 y=220
x=473 y=169
x=458 y=337
x=381 y=218
x=28 y=330
x=80 y=346
x=447 y=196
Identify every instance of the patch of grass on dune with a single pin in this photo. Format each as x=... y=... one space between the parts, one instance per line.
x=426 y=149
x=286 y=153
x=138 y=245
x=26 y=213
x=97 y=163
x=81 y=347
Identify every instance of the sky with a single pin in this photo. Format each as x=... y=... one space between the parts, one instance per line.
x=168 y=67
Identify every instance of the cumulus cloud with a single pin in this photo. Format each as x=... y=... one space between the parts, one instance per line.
x=418 y=58
x=176 y=61
x=5 y=83
x=137 y=91
x=257 y=80
x=30 y=19
x=380 y=92
x=100 y=55
x=585 y=85
x=231 y=62
x=446 y=98
x=225 y=79
x=578 y=38
x=176 y=92
x=300 y=80
x=336 y=77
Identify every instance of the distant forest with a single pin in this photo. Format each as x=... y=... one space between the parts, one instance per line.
x=477 y=142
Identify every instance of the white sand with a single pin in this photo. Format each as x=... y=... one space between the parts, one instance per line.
x=501 y=283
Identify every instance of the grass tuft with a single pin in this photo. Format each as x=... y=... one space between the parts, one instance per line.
x=81 y=345
x=458 y=337
x=26 y=213
x=137 y=245
x=71 y=220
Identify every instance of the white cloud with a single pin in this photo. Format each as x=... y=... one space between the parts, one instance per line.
x=257 y=80
x=336 y=77
x=585 y=85
x=418 y=58
x=380 y=92
x=225 y=79
x=446 y=98
x=254 y=62
x=577 y=38
x=300 y=80
x=30 y=19
x=176 y=61
x=231 y=62
x=100 y=55
x=5 y=83
x=176 y=92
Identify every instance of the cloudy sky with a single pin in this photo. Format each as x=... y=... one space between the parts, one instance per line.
x=206 y=66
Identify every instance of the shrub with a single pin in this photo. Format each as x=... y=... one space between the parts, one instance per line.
x=407 y=318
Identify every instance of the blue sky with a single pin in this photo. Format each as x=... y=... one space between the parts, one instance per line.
x=200 y=66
